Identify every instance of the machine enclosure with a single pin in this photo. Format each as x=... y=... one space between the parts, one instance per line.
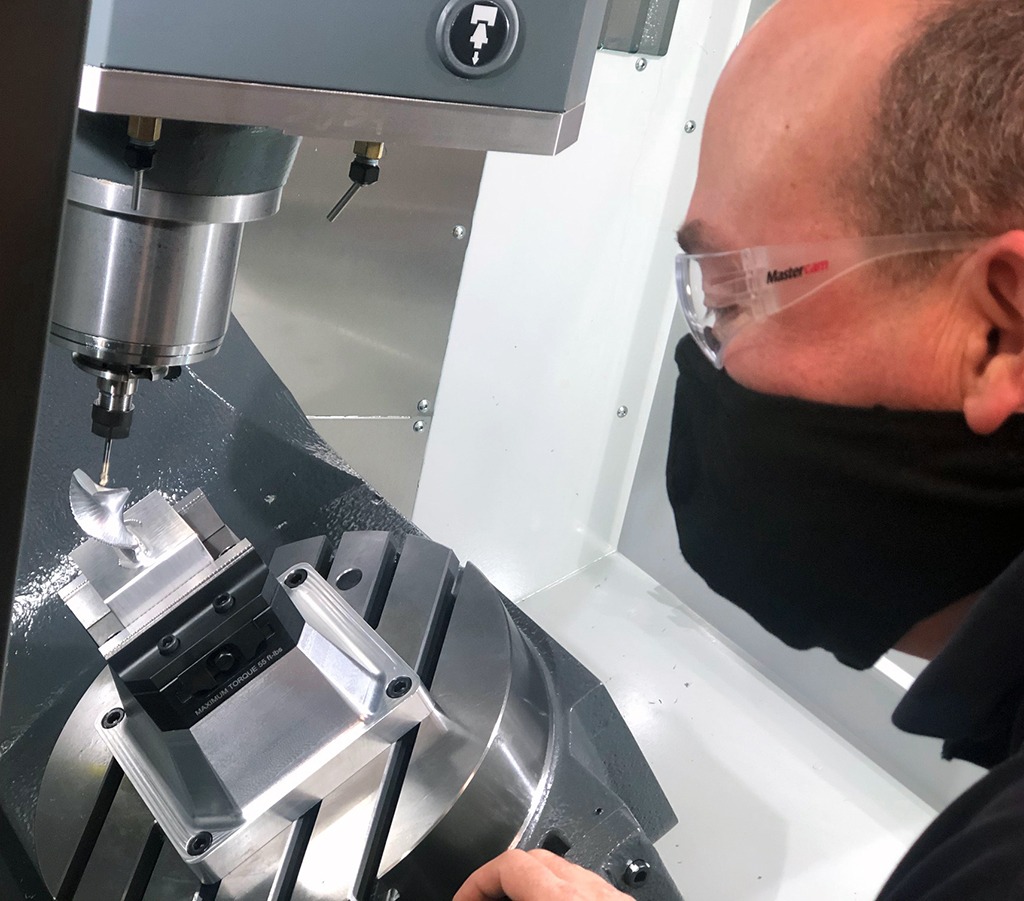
x=390 y=48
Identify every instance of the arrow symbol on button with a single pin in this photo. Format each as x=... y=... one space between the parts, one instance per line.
x=479 y=36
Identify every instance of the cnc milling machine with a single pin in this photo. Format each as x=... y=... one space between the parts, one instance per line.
x=336 y=708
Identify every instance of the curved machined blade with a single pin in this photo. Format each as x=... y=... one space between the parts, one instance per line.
x=99 y=512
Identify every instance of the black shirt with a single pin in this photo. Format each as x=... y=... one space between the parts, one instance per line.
x=972 y=697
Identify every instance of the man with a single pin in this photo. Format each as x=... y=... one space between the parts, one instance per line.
x=854 y=476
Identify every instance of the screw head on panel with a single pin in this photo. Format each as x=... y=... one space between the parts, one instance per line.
x=622 y=412
x=419 y=425
x=295 y=579
x=112 y=717
x=400 y=687
x=423 y=406
x=636 y=873
x=641 y=64
x=225 y=661
x=459 y=232
x=168 y=645
x=690 y=127
x=199 y=844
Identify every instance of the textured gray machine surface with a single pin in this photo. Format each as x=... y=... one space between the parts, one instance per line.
x=230 y=426
x=348 y=45
x=596 y=759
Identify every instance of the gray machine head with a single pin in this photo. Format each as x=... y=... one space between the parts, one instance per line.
x=191 y=117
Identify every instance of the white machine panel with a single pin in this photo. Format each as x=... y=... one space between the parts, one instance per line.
x=565 y=300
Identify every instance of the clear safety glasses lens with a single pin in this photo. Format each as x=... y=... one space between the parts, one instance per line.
x=720 y=293
x=708 y=325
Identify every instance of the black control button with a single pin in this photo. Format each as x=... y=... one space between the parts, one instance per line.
x=478 y=34
x=477 y=37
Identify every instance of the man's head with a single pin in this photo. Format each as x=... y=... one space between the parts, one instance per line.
x=878 y=503
x=883 y=117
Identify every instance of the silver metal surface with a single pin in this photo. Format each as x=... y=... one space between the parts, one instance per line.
x=99 y=511
x=115 y=197
x=105 y=465
x=334 y=114
x=136 y=198
x=345 y=200
x=119 y=277
x=384 y=449
x=690 y=127
x=195 y=781
x=295 y=754
x=146 y=277
x=529 y=744
x=355 y=318
x=131 y=580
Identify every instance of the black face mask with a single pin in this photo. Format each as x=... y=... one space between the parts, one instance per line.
x=838 y=527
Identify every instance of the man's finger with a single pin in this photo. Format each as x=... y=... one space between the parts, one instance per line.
x=516 y=876
x=569 y=871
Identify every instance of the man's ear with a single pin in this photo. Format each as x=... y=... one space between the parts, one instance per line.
x=994 y=284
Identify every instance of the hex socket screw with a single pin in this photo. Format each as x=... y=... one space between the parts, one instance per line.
x=295 y=579
x=636 y=873
x=168 y=645
x=199 y=844
x=224 y=603
x=399 y=688
x=112 y=718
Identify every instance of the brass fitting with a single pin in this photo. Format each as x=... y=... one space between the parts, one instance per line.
x=370 y=150
x=144 y=129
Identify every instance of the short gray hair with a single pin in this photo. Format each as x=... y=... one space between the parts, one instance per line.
x=946 y=147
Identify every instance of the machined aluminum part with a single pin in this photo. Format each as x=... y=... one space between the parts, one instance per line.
x=99 y=512
x=307 y=726
x=115 y=598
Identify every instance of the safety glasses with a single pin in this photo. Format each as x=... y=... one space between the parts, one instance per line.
x=720 y=293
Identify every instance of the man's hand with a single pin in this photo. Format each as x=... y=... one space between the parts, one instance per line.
x=535 y=876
